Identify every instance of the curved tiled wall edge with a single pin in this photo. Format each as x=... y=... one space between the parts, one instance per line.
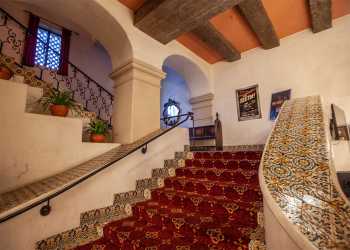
x=297 y=179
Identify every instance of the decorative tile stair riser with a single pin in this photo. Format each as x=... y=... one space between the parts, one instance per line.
x=211 y=203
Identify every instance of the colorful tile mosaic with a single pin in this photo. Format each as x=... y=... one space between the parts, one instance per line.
x=297 y=171
x=29 y=75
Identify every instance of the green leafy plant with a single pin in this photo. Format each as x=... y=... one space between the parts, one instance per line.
x=98 y=127
x=58 y=97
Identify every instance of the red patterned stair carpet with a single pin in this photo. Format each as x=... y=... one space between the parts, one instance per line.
x=211 y=203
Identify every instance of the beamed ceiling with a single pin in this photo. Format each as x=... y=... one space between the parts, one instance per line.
x=218 y=30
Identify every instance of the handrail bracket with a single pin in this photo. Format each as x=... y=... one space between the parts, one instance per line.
x=45 y=210
x=144 y=149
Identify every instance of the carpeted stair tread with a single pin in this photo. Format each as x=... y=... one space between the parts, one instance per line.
x=151 y=215
x=168 y=237
x=211 y=203
x=228 y=208
x=217 y=170
x=222 y=164
x=168 y=240
x=225 y=155
x=201 y=186
x=153 y=218
x=155 y=208
x=166 y=196
x=182 y=238
x=214 y=173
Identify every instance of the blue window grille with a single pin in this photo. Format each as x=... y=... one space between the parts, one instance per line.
x=48 y=49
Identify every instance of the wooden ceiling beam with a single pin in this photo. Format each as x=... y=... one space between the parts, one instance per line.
x=165 y=20
x=255 y=13
x=208 y=34
x=321 y=14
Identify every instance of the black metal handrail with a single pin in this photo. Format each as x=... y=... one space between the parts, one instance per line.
x=74 y=67
x=175 y=116
x=45 y=210
x=169 y=118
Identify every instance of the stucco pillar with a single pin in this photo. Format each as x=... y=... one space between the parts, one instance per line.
x=136 y=101
x=202 y=108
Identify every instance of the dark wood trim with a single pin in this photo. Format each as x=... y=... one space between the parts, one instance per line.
x=208 y=33
x=255 y=14
x=165 y=20
x=218 y=134
x=321 y=14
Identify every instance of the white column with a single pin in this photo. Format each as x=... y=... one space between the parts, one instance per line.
x=136 y=101
x=202 y=107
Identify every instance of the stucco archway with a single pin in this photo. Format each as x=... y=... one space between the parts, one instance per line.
x=200 y=96
x=91 y=17
x=197 y=81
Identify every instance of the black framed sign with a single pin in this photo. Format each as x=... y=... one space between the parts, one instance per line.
x=277 y=100
x=248 y=103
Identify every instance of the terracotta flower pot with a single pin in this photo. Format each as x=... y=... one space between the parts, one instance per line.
x=5 y=73
x=97 y=138
x=59 y=110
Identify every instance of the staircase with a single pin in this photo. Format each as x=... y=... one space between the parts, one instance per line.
x=208 y=200
x=43 y=137
x=95 y=101
x=199 y=200
x=48 y=144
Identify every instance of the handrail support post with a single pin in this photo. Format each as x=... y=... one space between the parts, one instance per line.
x=144 y=149
x=45 y=210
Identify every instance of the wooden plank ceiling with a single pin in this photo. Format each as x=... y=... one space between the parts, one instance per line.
x=218 y=30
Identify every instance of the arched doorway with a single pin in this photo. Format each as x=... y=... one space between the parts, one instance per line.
x=185 y=89
x=174 y=97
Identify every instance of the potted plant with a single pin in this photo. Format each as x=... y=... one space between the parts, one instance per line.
x=5 y=72
x=59 y=102
x=98 y=130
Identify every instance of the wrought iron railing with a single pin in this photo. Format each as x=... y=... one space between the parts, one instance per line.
x=45 y=210
x=170 y=121
x=86 y=91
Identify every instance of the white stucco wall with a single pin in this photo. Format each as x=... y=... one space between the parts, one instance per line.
x=344 y=103
x=307 y=63
x=34 y=146
x=151 y=51
x=97 y=192
x=92 y=58
x=341 y=155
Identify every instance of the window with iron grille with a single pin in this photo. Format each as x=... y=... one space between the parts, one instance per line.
x=48 y=49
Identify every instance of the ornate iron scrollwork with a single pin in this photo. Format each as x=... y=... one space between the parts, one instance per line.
x=89 y=93
x=171 y=112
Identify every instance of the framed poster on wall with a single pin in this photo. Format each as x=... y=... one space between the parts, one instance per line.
x=248 y=104
x=277 y=101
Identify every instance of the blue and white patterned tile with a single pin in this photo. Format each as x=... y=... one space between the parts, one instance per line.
x=297 y=172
